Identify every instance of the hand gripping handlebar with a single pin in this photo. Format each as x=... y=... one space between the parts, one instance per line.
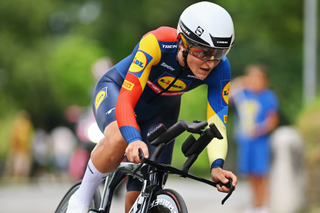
x=182 y=173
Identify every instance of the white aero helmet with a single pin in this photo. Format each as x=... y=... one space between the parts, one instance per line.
x=207 y=24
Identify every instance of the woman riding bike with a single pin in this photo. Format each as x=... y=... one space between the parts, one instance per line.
x=145 y=88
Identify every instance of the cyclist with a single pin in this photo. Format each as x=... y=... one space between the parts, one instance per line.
x=145 y=88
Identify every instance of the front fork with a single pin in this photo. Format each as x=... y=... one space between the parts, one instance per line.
x=153 y=183
x=142 y=202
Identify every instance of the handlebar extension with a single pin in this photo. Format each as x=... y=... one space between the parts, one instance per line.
x=160 y=134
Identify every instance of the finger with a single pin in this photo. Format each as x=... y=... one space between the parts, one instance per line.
x=129 y=155
x=225 y=189
x=219 y=188
x=136 y=158
x=233 y=177
x=222 y=188
x=146 y=152
x=132 y=160
x=224 y=180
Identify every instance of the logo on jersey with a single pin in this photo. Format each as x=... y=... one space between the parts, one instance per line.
x=225 y=118
x=165 y=81
x=193 y=76
x=225 y=91
x=169 y=46
x=102 y=94
x=167 y=66
x=128 y=85
x=139 y=62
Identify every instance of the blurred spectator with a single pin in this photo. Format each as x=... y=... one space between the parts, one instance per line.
x=101 y=66
x=257 y=108
x=63 y=143
x=19 y=159
x=40 y=153
x=78 y=163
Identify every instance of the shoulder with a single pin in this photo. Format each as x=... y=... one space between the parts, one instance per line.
x=270 y=93
x=152 y=42
x=165 y=34
x=222 y=72
x=269 y=98
x=225 y=64
x=223 y=68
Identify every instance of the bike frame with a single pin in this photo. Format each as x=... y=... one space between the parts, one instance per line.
x=152 y=173
x=150 y=183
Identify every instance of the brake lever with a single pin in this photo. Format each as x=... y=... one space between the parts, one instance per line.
x=230 y=186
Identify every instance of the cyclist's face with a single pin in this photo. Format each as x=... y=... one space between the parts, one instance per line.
x=200 y=68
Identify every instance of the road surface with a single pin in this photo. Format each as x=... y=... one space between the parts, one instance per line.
x=44 y=196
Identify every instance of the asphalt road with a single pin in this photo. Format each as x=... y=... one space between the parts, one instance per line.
x=44 y=196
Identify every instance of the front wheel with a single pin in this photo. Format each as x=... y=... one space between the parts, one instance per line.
x=63 y=205
x=168 y=201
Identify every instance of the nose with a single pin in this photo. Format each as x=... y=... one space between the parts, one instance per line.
x=212 y=63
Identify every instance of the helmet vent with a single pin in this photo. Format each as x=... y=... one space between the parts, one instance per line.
x=221 y=42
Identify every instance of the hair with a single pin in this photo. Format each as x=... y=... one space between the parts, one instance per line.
x=262 y=68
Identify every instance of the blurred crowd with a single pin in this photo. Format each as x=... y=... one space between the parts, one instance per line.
x=62 y=152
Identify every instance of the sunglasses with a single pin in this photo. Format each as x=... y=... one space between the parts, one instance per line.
x=203 y=52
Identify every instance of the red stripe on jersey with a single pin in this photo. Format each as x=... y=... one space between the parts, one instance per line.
x=129 y=95
x=166 y=34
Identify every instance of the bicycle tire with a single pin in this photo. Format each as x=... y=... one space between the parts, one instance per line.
x=168 y=201
x=63 y=205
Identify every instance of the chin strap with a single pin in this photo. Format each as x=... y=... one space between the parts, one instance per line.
x=185 y=55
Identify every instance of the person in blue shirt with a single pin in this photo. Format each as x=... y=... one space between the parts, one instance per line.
x=257 y=116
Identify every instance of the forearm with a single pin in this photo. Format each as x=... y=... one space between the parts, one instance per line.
x=217 y=149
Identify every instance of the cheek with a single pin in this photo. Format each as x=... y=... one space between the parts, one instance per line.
x=194 y=62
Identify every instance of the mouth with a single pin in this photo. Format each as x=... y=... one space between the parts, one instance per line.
x=205 y=69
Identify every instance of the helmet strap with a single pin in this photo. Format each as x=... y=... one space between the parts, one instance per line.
x=185 y=55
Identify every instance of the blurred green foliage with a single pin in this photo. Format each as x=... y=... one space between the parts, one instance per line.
x=308 y=125
x=47 y=49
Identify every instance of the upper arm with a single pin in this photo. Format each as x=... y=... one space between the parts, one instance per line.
x=218 y=94
x=147 y=55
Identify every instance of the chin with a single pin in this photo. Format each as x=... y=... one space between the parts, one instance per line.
x=202 y=76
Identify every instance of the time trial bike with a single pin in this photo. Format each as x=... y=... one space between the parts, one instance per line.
x=154 y=198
